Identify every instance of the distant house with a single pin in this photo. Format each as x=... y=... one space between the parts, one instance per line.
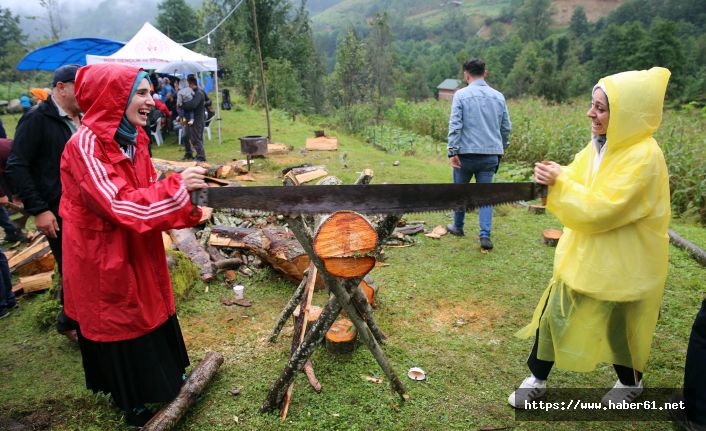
x=446 y=90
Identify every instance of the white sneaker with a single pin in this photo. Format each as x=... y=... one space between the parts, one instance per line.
x=530 y=389
x=621 y=392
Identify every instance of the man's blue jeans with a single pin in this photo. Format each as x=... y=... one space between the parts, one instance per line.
x=483 y=167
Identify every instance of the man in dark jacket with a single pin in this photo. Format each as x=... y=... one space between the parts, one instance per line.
x=196 y=104
x=33 y=165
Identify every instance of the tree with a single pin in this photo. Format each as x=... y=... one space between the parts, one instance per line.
x=579 y=22
x=350 y=77
x=56 y=23
x=534 y=19
x=284 y=90
x=12 y=44
x=178 y=20
x=381 y=63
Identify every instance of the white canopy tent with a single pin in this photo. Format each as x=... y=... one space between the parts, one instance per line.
x=152 y=49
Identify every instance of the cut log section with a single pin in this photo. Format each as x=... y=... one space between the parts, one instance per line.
x=313 y=316
x=301 y=175
x=341 y=337
x=275 y=149
x=537 y=209
x=343 y=241
x=322 y=143
x=186 y=242
x=34 y=283
x=370 y=291
x=551 y=237
x=34 y=259
x=169 y=415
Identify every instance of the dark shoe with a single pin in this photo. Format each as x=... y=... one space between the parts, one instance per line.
x=453 y=230
x=187 y=157
x=679 y=416
x=486 y=244
x=4 y=312
x=200 y=159
x=138 y=417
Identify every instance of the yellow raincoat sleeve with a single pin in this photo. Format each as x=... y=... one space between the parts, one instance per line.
x=619 y=199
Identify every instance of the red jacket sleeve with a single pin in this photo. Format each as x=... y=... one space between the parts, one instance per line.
x=162 y=206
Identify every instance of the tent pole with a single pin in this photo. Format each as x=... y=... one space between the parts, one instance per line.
x=218 y=107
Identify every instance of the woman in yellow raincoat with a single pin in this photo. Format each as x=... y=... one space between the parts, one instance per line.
x=610 y=265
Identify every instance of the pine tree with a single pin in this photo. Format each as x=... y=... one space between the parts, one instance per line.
x=177 y=20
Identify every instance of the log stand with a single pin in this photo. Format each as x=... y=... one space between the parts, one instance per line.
x=342 y=269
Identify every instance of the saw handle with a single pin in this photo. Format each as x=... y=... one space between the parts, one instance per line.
x=543 y=192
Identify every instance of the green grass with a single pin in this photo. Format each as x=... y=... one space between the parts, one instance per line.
x=424 y=291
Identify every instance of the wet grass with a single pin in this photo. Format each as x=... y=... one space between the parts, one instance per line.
x=445 y=307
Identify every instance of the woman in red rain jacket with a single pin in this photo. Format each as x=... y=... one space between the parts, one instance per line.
x=116 y=281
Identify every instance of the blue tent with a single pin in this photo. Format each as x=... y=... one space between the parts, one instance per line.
x=69 y=51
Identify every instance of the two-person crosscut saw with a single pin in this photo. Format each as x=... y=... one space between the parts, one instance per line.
x=366 y=199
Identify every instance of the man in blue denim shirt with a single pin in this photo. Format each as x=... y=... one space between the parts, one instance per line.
x=478 y=136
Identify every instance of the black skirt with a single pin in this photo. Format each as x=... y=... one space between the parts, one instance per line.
x=148 y=369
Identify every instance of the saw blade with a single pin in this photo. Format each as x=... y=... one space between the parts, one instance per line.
x=366 y=199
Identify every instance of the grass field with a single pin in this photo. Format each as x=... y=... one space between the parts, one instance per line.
x=445 y=307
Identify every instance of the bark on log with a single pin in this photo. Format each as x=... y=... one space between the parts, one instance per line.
x=693 y=249
x=275 y=245
x=298 y=176
x=169 y=415
x=551 y=237
x=187 y=243
x=341 y=242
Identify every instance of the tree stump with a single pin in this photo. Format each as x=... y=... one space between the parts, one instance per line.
x=343 y=241
x=551 y=237
x=342 y=337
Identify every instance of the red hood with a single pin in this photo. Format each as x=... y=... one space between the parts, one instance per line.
x=102 y=92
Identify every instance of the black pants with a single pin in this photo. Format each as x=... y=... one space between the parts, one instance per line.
x=695 y=370
x=540 y=368
x=195 y=141
x=63 y=322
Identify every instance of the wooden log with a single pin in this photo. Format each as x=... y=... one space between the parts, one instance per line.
x=34 y=283
x=342 y=242
x=301 y=175
x=169 y=415
x=277 y=149
x=167 y=241
x=693 y=249
x=537 y=209
x=187 y=243
x=341 y=337
x=322 y=143
x=551 y=237
x=275 y=245
x=365 y=177
x=369 y=290
x=34 y=259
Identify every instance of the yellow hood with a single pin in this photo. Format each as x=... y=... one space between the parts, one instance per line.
x=636 y=99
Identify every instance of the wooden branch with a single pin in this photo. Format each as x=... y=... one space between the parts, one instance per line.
x=169 y=415
x=297 y=361
x=336 y=287
x=288 y=310
x=684 y=244
x=300 y=324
